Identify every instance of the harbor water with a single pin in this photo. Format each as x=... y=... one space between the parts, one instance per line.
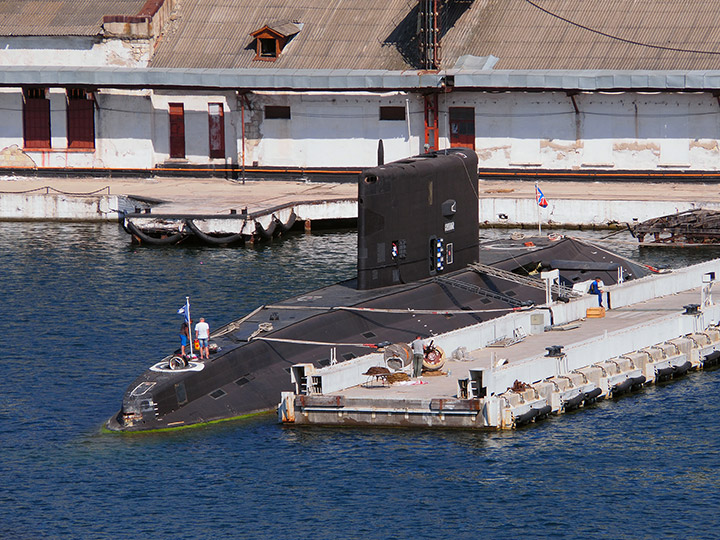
x=84 y=312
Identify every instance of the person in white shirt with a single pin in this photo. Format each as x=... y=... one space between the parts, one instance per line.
x=202 y=333
x=418 y=348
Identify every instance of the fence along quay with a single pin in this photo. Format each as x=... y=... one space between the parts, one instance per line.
x=556 y=359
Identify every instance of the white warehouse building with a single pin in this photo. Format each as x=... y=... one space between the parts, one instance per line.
x=303 y=88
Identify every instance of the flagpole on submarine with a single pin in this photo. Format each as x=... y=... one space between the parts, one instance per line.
x=189 y=322
x=537 y=204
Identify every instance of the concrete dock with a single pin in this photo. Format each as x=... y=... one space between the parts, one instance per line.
x=501 y=203
x=660 y=328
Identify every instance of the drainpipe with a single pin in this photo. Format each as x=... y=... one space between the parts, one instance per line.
x=407 y=115
x=242 y=130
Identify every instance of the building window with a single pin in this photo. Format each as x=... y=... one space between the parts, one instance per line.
x=268 y=48
x=392 y=113
x=277 y=111
x=177 y=130
x=36 y=119
x=80 y=118
x=216 y=125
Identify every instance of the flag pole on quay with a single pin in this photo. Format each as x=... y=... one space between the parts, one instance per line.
x=541 y=203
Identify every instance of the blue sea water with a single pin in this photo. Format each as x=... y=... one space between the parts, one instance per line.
x=84 y=312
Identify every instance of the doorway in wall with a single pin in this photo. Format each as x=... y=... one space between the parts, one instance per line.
x=177 y=130
x=462 y=127
x=216 y=126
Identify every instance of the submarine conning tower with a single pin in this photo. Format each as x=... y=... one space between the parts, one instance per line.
x=417 y=218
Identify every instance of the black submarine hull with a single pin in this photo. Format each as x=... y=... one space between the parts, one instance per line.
x=413 y=252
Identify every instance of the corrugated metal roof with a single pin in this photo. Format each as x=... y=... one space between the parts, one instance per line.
x=380 y=34
x=598 y=34
x=60 y=17
x=346 y=79
x=341 y=34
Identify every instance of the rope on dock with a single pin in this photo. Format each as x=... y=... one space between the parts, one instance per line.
x=50 y=188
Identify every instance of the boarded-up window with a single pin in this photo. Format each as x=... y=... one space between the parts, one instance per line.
x=80 y=118
x=392 y=113
x=36 y=118
x=177 y=130
x=277 y=111
x=216 y=125
x=462 y=127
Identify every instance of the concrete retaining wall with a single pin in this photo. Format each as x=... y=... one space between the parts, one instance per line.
x=572 y=212
x=493 y=212
x=33 y=206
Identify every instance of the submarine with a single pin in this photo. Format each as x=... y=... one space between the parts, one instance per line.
x=421 y=271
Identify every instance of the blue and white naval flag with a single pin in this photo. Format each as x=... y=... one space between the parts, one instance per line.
x=185 y=312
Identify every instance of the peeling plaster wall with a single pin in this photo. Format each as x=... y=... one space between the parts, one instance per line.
x=197 y=130
x=629 y=131
x=74 y=51
x=331 y=130
x=619 y=131
x=123 y=124
x=11 y=128
x=513 y=130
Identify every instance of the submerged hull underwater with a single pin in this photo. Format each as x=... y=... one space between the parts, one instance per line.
x=337 y=323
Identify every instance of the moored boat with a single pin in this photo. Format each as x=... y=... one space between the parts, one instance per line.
x=698 y=227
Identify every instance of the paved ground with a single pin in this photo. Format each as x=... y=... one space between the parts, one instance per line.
x=531 y=347
x=192 y=195
x=214 y=195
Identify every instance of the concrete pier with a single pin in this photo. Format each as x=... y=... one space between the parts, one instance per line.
x=109 y=199
x=501 y=203
x=660 y=327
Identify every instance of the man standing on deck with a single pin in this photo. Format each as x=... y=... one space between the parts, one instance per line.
x=202 y=333
x=418 y=348
x=184 y=337
x=596 y=287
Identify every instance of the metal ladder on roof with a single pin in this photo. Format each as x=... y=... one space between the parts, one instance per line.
x=528 y=281
x=481 y=292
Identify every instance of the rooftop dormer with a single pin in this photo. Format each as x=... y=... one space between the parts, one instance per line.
x=272 y=38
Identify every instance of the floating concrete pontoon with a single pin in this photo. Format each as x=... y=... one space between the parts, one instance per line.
x=659 y=327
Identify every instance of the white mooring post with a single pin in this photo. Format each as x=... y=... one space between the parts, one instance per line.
x=549 y=278
x=706 y=292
